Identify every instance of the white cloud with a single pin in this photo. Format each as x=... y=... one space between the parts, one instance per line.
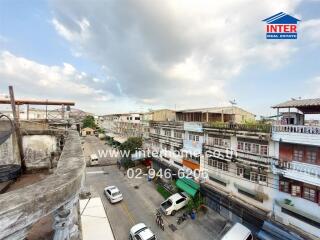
x=173 y=52
x=34 y=80
x=310 y=30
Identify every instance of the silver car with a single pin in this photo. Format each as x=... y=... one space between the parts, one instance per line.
x=113 y=194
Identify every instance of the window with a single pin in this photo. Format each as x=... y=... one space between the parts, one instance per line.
x=176 y=149
x=255 y=148
x=215 y=163
x=298 y=155
x=249 y=238
x=311 y=156
x=180 y=200
x=220 y=165
x=284 y=186
x=309 y=193
x=194 y=137
x=264 y=150
x=262 y=178
x=296 y=190
x=157 y=130
x=177 y=134
x=254 y=177
x=240 y=171
x=225 y=167
x=247 y=147
x=166 y=147
x=240 y=146
x=137 y=118
x=167 y=133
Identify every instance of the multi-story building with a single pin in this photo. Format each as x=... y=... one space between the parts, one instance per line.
x=122 y=126
x=166 y=138
x=238 y=159
x=215 y=114
x=297 y=202
x=256 y=172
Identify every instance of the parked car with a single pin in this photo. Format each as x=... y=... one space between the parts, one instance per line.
x=238 y=232
x=94 y=160
x=113 y=194
x=174 y=203
x=141 y=232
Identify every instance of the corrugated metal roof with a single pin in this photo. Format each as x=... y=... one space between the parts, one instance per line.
x=315 y=102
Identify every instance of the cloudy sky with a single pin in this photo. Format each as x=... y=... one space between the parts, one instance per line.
x=133 y=55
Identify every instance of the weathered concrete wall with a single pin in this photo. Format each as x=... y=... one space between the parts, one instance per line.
x=9 y=152
x=20 y=209
x=39 y=150
x=33 y=125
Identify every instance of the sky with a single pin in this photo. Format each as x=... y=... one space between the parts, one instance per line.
x=113 y=56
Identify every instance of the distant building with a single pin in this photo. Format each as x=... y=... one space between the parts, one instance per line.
x=87 y=131
x=215 y=114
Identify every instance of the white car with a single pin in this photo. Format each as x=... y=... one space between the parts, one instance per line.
x=238 y=232
x=113 y=194
x=174 y=203
x=141 y=232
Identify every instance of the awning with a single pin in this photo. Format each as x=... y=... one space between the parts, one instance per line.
x=110 y=135
x=302 y=177
x=120 y=139
x=188 y=186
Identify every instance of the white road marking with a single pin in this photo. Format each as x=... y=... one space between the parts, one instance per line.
x=95 y=172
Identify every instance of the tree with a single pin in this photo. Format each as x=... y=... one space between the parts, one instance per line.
x=89 y=122
x=130 y=146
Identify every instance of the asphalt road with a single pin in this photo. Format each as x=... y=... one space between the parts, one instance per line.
x=140 y=203
x=92 y=144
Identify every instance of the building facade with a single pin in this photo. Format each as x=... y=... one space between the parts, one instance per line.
x=298 y=201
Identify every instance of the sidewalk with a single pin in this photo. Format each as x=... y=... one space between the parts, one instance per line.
x=95 y=224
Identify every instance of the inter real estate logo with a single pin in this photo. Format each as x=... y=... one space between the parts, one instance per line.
x=281 y=26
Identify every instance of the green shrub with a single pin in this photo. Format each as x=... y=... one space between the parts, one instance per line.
x=164 y=193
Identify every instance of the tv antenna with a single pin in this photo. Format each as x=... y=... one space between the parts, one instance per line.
x=233 y=102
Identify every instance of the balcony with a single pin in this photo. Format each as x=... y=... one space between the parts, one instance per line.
x=255 y=127
x=299 y=134
x=303 y=172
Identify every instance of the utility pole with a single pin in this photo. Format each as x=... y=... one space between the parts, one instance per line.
x=17 y=128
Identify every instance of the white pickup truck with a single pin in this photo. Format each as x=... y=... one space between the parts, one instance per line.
x=174 y=203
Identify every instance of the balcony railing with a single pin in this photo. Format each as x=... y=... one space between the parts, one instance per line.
x=297 y=129
x=265 y=128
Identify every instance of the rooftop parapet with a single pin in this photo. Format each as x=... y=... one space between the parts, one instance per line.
x=20 y=209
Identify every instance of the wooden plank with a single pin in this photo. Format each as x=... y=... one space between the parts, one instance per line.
x=17 y=128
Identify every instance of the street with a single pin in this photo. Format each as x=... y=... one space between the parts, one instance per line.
x=140 y=203
x=94 y=145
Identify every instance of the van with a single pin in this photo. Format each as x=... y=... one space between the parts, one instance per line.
x=94 y=160
x=238 y=232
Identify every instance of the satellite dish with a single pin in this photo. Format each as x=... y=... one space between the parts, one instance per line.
x=233 y=102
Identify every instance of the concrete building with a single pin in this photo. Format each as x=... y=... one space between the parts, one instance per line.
x=231 y=114
x=238 y=160
x=297 y=202
x=87 y=131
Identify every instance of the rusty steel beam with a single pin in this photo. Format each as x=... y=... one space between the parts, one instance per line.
x=37 y=102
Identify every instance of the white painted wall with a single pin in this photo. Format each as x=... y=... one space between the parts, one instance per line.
x=301 y=204
x=298 y=138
